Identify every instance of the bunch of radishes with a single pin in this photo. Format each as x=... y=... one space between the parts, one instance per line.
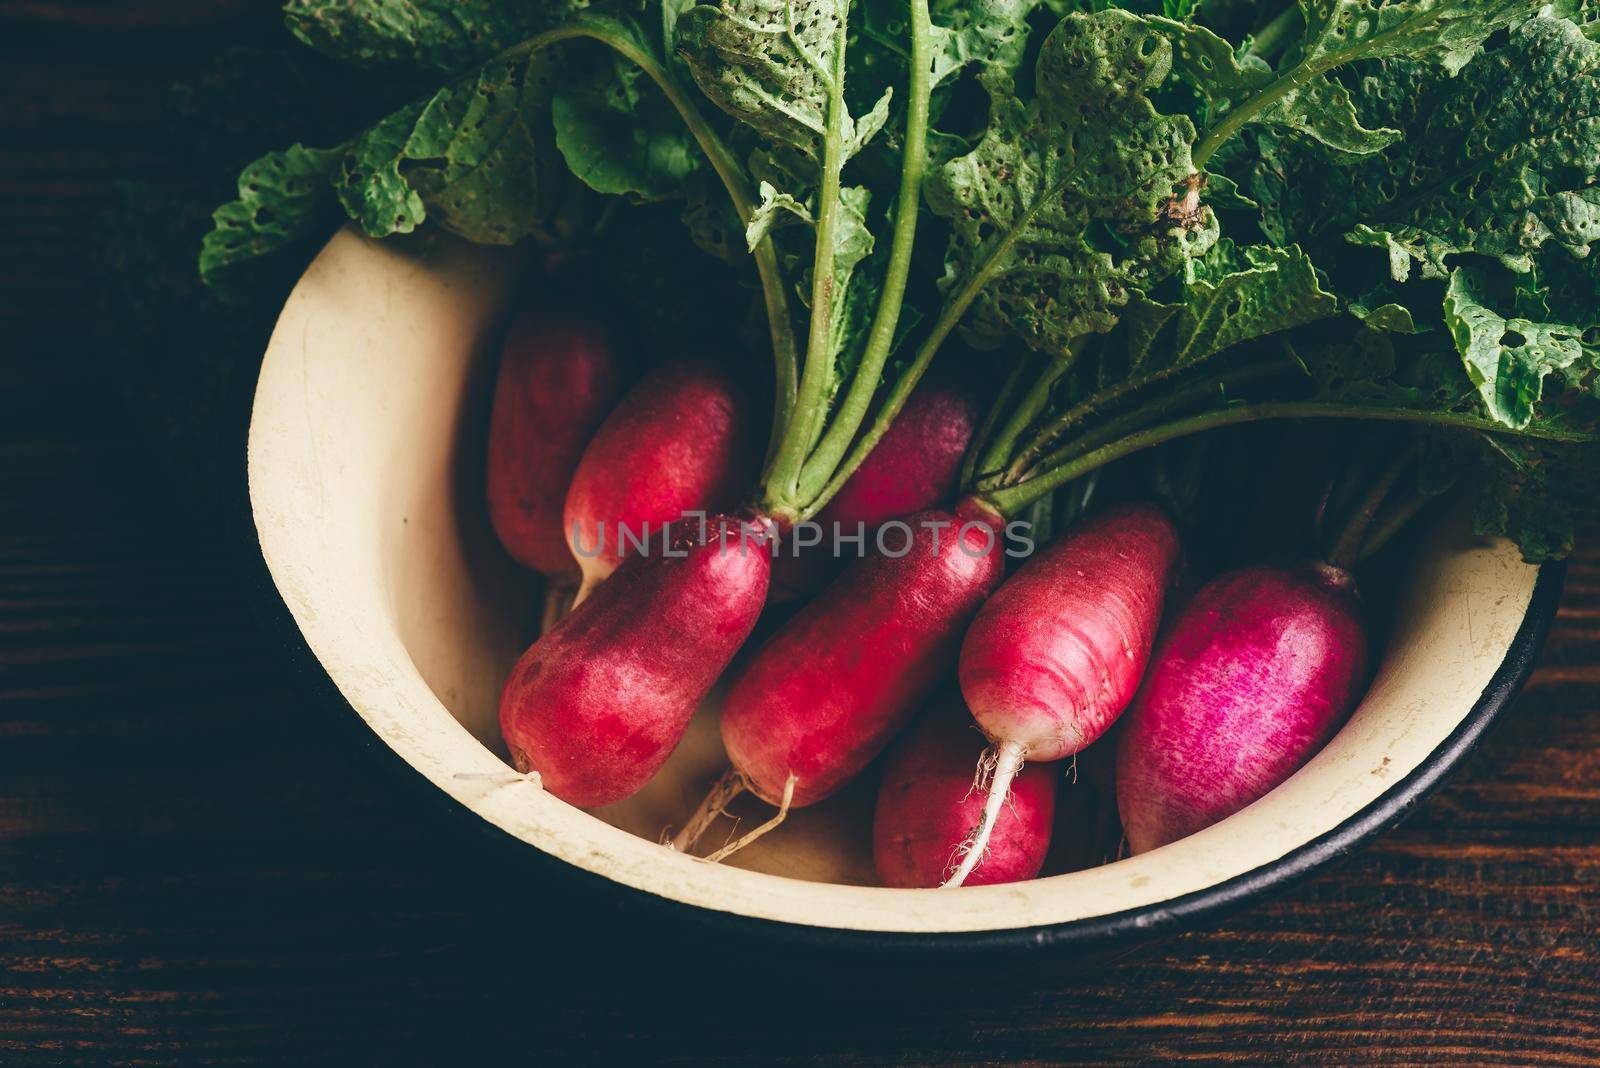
x=1250 y=678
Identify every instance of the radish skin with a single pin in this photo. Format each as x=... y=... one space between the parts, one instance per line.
x=1251 y=680
x=559 y=376
x=927 y=808
x=825 y=695
x=1057 y=653
x=916 y=466
x=599 y=702
x=680 y=442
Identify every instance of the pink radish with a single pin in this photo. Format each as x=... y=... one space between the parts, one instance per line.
x=927 y=807
x=1253 y=677
x=559 y=376
x=825 y=694
x=916 y=466
x=680 y=441
x=1058 y=651
x=598 y=703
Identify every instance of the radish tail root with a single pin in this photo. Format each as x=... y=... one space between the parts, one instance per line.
x=771 y=825
x=1007 y=760
x=585 y=588
x=728 y=787
x=500 y=778
x=558 y=596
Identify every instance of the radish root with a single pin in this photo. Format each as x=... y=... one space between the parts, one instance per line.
x=1004 y=762
x=585 y=588
x=501 y=778
x=771 y=825
x=728 y=787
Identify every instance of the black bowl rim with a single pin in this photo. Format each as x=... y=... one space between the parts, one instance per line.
x=1116 y=930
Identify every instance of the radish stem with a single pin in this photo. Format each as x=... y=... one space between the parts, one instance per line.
x=853 y=409
x=1034 y=402
x=774 y=292
x=810 y=410
x=1346 y=548
x=1002 y=403
x=1391 y=523
x=1114 y=429
x=1011 y=500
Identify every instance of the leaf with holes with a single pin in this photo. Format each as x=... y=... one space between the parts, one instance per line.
x=470 y=159
x=1074 y=202
x=1508 y=359
x=1230 y=296
x=1320 y=111
x=284 y=200
x=1299 y=97
x=428 y=35
x=1502 y=163
x=775 y=65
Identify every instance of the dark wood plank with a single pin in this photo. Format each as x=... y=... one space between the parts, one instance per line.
x=192 y=868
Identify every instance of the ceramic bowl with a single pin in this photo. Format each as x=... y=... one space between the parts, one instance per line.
x=365 y=437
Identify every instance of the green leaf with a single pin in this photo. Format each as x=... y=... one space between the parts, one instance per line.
x=619 y=135
x=1508 y=359
x=1447 y=32
x=770 y=64
x=1320 y=111
x=1074 y=202
x=1392 y=318
x=433 y=35
x=766 y=214
x=1230 y=296
x=1534 y=495
x=1299 y=97
x=1237 y=294
x=984 y=33
x=284 y=201
x=469 y=159
x=1502 y=163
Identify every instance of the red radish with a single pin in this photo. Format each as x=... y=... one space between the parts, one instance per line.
x=598 y=703
x=1058 y=652
x=680 y=441
x=927 y=807
x=826 y=693
x=916 y=466
x=559 y=376
x=1253 y=677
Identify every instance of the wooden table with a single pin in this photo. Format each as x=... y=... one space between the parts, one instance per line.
x=192 y=867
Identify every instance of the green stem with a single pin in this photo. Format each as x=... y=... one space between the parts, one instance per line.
x=1029 y=456
x=1011 y=500
x=1391 y=523
x=617 y=36
x=1143 y=416
x=1033 y=404
x=805 y=420
x=1346 y=547
x=1002 y=403
x=1275 y=36
x=949 y=316
x=852 y=411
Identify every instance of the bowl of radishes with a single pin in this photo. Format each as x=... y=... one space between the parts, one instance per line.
x=934 y=743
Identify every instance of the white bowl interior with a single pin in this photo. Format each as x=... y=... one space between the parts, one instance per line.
x=364 y=452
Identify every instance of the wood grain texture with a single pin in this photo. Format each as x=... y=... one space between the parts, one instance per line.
x=195 y=867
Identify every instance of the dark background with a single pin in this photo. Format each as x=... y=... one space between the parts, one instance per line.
x=193 y=865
